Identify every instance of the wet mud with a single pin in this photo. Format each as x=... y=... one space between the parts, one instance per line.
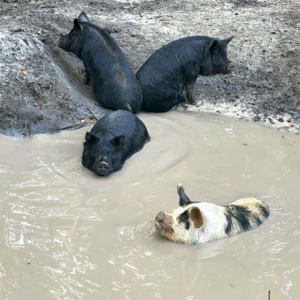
x=67 y=233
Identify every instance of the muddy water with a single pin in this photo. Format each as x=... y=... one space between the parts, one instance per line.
x=69 y=234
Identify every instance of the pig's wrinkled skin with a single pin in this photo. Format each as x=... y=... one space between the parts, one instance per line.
x=176 y=66
x=107 y=69
x=112 y=140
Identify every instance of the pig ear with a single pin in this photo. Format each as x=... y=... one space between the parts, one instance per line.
x=91 y=138
x=197 y=217
x=77 y=26
x=118 y=141
x=83 y=17
x=183 y=198
x=226 y=41
x=213 y=45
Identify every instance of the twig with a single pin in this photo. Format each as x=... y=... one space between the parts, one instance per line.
x=34 y=80
x=269 y=295
x=26 y=124
x=72 y=126
x=19 y=80
x=6 y=120
x=93 y=115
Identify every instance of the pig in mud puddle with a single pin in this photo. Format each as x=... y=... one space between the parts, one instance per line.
x=107 y=69
x=201 y=222
x=112 y=140
x=176 y=66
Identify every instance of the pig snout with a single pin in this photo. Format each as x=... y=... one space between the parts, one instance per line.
x=230 y=67
x=160 y=219
x=102 y=168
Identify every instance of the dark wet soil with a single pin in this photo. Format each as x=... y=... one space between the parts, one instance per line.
x=41 y=86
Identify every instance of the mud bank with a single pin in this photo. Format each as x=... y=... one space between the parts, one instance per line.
x=41 y=86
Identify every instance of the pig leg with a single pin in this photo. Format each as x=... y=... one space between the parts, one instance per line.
x=87 y=77
x=170 y=103
x=189 y=86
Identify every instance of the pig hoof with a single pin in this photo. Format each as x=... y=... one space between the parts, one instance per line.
x=192 y=102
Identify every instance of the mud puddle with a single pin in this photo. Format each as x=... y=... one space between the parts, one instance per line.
x=69 y=234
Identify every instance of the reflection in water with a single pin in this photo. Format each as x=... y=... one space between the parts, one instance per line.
x=69 y=234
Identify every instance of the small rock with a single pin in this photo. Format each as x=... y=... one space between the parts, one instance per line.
x=256 y=118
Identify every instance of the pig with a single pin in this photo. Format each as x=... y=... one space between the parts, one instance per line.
x=176 y=66
x=112 y=140
x=201 y=222
x=107 y=69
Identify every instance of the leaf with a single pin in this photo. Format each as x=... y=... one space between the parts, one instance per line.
x=25 y=73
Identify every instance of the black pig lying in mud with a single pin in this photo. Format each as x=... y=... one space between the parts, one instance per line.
x=176 y=66
x=112 y=140
x=107 y=69
x=201 y=222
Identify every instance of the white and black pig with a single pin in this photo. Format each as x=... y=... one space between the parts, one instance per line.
x=107 y=69
x=112 y=140
x=176 y=66
x=201 y=222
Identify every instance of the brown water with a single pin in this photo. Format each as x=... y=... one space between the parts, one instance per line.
x=69 y=234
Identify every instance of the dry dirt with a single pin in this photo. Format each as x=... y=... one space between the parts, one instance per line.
x=41 y=86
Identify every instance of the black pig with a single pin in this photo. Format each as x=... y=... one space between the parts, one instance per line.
x=112 y=140
x=176 y=66
x=107 y=69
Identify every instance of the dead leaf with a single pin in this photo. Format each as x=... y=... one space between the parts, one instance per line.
x=206 y=19
x=25 y=73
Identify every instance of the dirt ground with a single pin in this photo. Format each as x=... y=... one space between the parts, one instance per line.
x=41 y=86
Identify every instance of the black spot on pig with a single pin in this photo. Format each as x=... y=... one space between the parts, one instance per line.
x=107 y=69
x=176 y=66
x=184 y=218
x=112 y=140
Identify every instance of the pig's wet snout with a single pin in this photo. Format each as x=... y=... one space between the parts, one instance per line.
x=230 y=68
x=159 y=219
x=102 y=168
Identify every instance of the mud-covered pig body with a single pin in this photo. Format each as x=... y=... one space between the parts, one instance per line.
x=176 y=66
x=107 y=69
x=112 y=140
x=201 y=222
